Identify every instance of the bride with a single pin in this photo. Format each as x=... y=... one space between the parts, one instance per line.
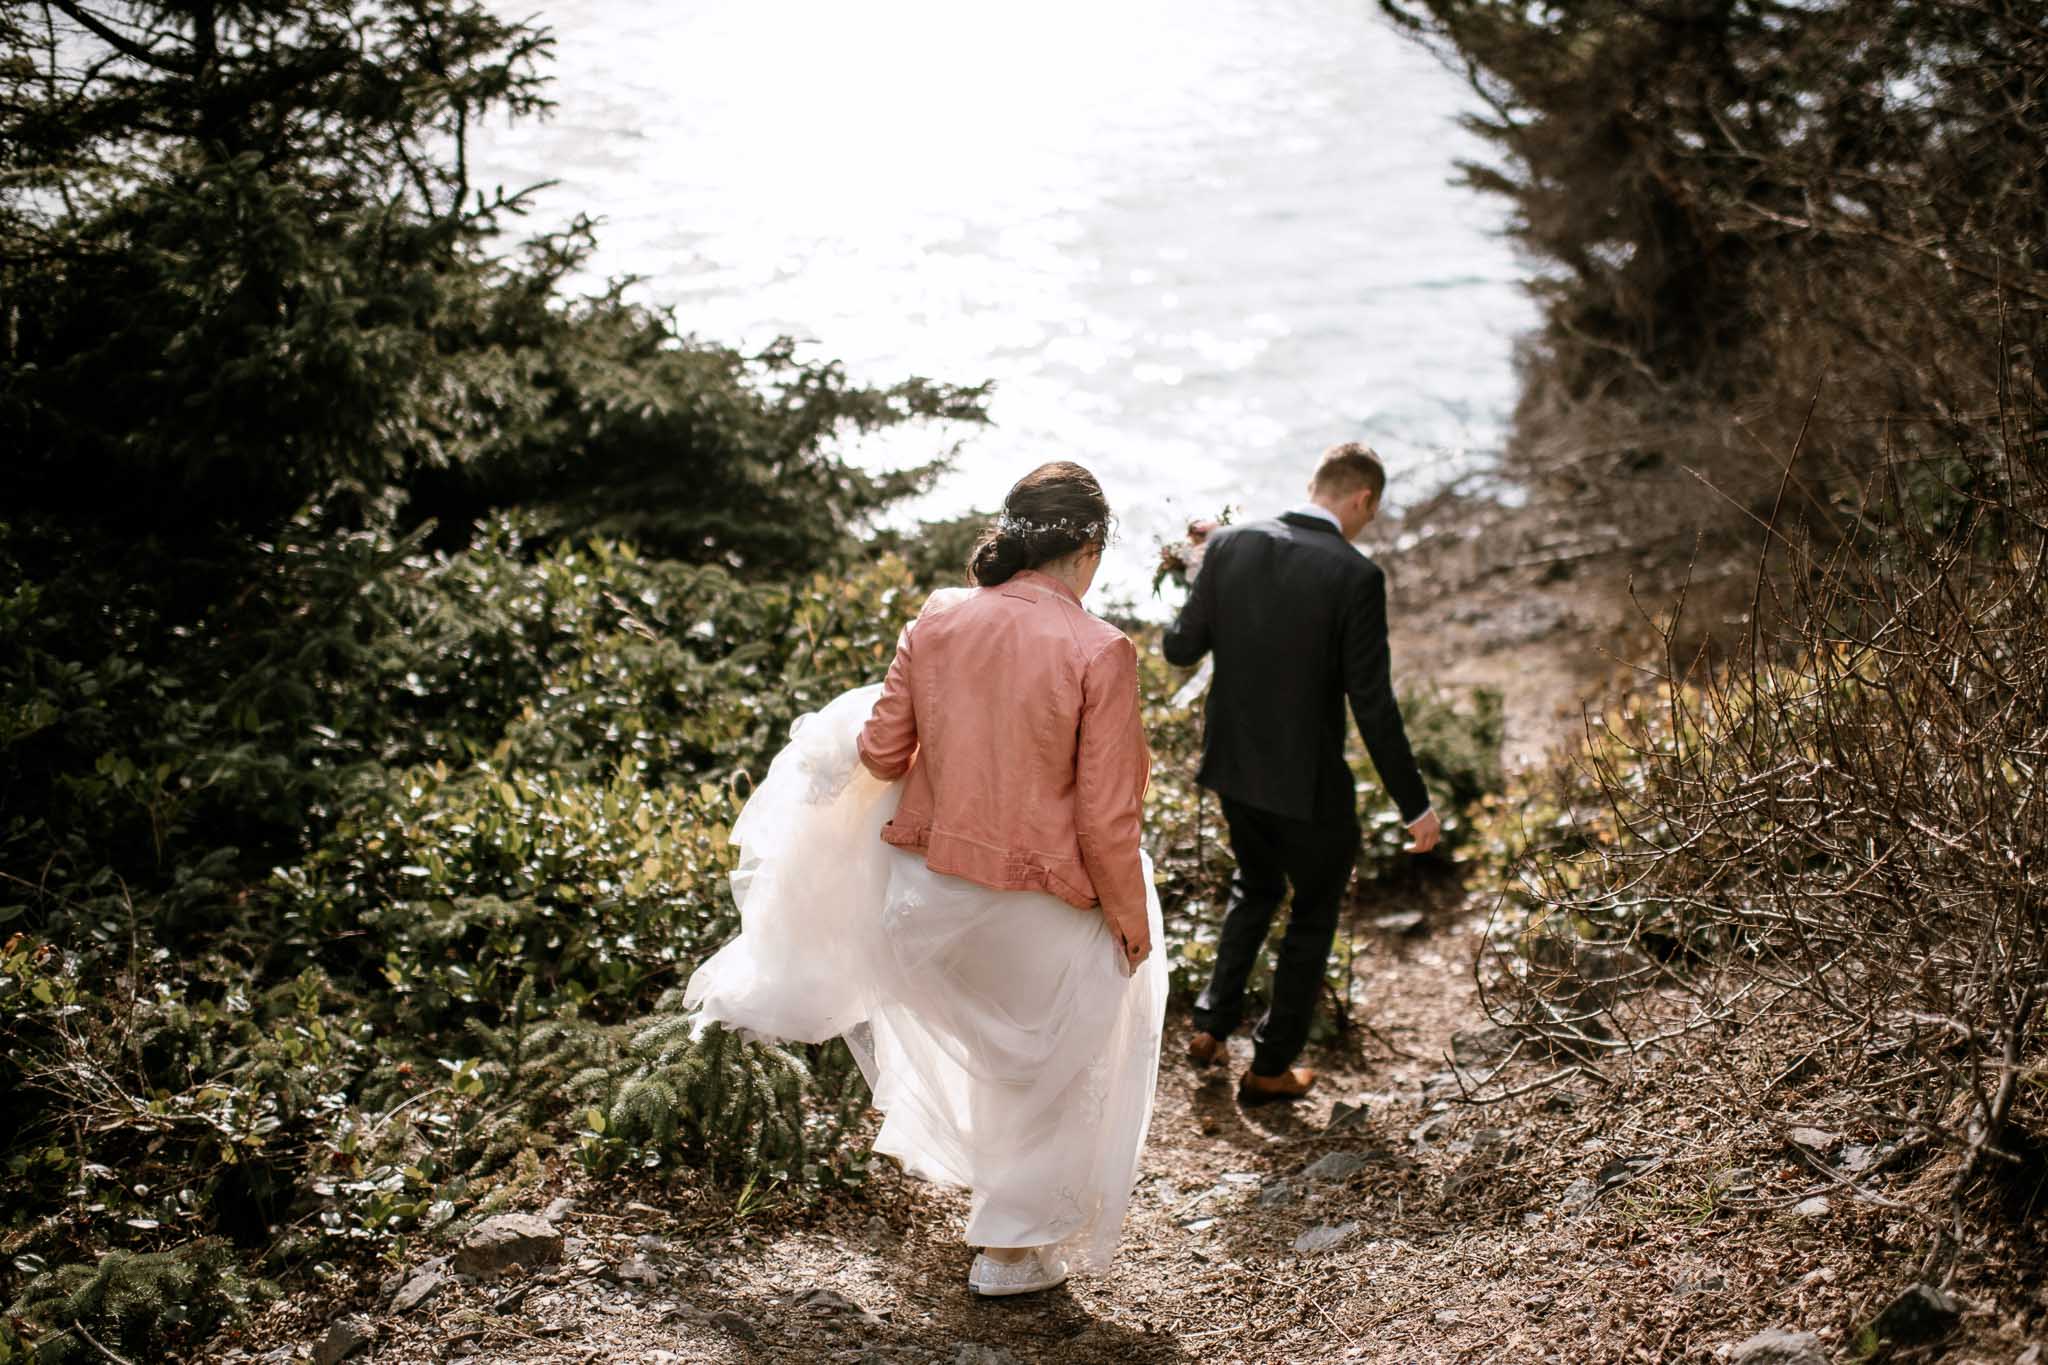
x=944 y=870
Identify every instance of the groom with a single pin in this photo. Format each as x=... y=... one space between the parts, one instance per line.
x=1298 y=621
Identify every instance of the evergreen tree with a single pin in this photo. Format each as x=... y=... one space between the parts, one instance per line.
x=234 y=254
x=1738 y=203
x=243 y=269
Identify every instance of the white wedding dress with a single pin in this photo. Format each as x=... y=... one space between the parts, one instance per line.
x=1008 y=1052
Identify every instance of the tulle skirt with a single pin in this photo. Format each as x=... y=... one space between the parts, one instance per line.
x=1007 y=1050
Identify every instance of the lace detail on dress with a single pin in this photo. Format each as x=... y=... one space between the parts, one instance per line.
x=827 y=769
x=1073 y=1214
x=900 y=907
x=1093 y=1089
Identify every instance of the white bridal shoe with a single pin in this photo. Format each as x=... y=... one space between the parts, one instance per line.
x=1025 y=1275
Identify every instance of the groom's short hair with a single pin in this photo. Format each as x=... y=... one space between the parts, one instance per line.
x=1348 y=467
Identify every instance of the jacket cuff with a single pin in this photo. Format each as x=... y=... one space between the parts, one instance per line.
x=880 y=771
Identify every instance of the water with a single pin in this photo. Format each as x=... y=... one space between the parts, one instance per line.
x=1192 y=243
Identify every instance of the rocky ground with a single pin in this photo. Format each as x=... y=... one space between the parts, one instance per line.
x=1670 y=1216
x=1381 y=1220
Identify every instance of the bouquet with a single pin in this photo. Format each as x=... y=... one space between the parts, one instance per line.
x=1180 y=559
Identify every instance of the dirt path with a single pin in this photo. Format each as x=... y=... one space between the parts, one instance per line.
x=1459 y=1233
x=1647 y=1221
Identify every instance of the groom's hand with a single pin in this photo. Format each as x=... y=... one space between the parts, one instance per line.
x=1425 y=833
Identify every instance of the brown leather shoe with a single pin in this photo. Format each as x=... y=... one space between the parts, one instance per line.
x=1206 y=1049
x=1289 y=1085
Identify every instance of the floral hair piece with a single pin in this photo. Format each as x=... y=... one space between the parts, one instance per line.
x=1012 y=525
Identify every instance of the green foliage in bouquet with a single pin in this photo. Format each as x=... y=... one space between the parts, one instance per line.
x=1172 y=565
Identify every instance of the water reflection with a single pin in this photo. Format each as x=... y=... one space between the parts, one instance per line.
x=1192 y=243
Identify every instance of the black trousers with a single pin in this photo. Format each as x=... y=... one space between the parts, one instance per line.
x=1273 y=852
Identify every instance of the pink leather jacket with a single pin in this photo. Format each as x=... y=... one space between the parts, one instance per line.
x=1015 y=713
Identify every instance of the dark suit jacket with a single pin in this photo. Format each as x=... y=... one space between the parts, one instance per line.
x=1298 y=620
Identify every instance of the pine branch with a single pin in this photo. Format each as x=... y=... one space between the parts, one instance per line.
x=149 y=56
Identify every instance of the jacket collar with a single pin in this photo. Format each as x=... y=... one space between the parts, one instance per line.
x=1047 y=580
x=1311 y=522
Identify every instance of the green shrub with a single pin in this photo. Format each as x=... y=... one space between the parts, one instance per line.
x=359 y=788
x=142 y=1304
x=749 y=1111
x=520 y=775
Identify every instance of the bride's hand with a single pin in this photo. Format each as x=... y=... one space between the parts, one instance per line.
x=1129 y=953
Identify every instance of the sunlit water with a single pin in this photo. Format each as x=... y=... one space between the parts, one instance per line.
x=1192 y=243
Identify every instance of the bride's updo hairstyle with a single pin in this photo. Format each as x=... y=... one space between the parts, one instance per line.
x=1051 y=512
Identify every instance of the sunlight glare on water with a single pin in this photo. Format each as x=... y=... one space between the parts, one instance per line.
x=1192 y=244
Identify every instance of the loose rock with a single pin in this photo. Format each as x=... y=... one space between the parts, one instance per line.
x=421 y=1286
x=1475 y=1046
x=1430 y=1129
x=974 y=1353
x=634 y=1270
x=1919 y=1314
x=1779 y=1347
x=1444 y=1086
x=1621 y=1170
x=344 y=1339
x=512 y=1300
x=1816 y=1207
x=558 y=1210
x=1609 y=971
x=736 y=1325
x=823 y=1300
x=1276 y=1194
x=510 y=1239
x=1334 y=1166
x=1325 y=1238
x=1814 y=1140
